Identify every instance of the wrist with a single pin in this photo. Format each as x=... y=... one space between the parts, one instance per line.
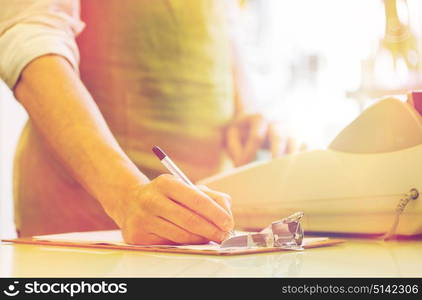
x=122 y=187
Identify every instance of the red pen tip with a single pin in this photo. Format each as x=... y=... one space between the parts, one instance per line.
x=160 y=153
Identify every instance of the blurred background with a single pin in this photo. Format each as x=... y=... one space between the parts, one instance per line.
x=314 y=65
x=317 y=64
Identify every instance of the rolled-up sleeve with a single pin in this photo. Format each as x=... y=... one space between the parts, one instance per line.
x=33 y=28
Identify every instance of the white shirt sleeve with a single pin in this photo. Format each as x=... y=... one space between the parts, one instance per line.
x=33 y=28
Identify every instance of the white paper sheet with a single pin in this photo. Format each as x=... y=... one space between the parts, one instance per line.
x=114 y=237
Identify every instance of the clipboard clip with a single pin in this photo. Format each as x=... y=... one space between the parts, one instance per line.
x=286 y=233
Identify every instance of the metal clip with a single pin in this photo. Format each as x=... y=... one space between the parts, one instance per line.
x=286 y=233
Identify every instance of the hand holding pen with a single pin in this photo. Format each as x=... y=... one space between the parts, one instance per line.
x=171 y=210
x=171 y=166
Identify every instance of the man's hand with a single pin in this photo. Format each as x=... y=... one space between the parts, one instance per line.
x=164 y=210
x=251 y=132
x=168 y=211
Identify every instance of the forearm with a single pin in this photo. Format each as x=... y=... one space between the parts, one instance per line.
x=72 y=126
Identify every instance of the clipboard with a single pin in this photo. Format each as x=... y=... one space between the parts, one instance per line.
x=95 y=239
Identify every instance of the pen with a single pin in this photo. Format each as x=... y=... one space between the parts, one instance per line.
x=171 y=166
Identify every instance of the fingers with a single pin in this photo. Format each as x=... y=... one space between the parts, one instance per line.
x=169 y=231
x=294 y=146
x=278 y=144
x=141 y=237
x=168 y=211
x=245 y=137
x=303 y=147
x=157 y=231
x=188 y=220
x=281 y=145
x=257 y=133
x=250 y=133
x=197 y=201
x=222 y=199
x=234 y=144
